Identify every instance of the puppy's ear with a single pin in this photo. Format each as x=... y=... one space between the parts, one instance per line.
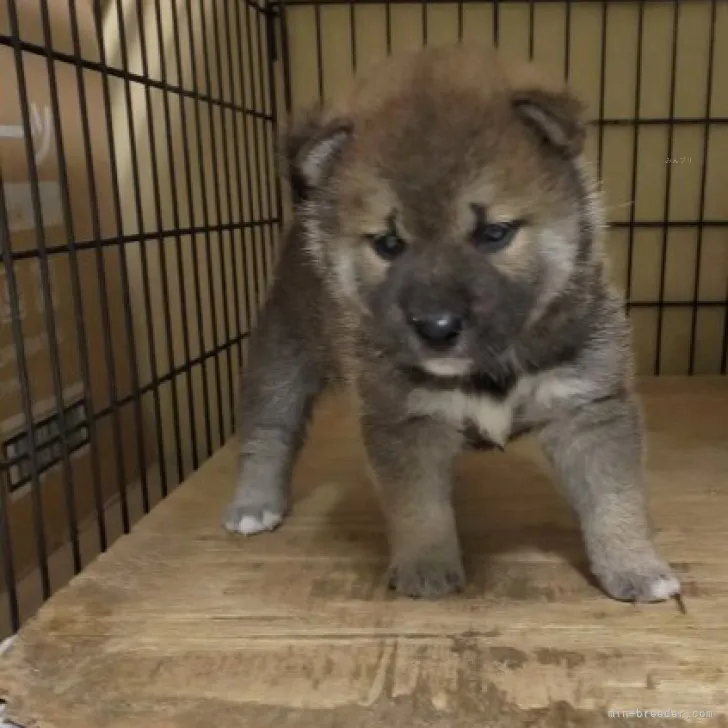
x=310 y=148
x=556 y=116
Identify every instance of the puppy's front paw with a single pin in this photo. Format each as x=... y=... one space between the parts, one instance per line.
x=427 y=578
x=249 y=520
x=638 y=579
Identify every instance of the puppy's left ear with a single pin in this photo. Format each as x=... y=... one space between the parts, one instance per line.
x=556 y=116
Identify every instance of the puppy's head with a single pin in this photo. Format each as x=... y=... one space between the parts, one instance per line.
x=445 y=201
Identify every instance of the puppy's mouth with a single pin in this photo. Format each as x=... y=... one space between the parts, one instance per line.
x=462 y=374
x=447 y=366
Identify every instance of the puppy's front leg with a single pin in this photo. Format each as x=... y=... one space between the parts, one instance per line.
x=597 y=453
x=412 y=465
x=282 y=382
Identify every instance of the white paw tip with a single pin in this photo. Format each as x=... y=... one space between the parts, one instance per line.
x=664 y=588
x=270 y=519
x=249 y=525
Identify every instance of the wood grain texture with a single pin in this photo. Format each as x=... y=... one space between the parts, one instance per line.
x=180 y=625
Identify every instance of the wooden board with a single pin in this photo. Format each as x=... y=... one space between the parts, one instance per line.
x=181 y=625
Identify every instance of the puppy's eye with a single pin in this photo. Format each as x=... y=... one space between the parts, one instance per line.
x=387 y=246
x=494 y=236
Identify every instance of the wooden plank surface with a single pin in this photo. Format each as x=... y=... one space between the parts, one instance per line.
x=181 y=625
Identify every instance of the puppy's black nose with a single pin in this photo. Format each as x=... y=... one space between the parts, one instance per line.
x=440 y=328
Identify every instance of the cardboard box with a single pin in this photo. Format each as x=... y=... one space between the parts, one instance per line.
x=78 y=401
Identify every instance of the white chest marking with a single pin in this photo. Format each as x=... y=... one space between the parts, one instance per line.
x=491 y=417
x=539 y=398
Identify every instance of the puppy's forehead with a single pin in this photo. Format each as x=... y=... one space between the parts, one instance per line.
x=432 y=154
x=436 y=136
x=434 y=183
x=441 y=135
x=368 y=198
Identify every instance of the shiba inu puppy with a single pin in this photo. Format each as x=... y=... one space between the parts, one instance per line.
x=445 y=266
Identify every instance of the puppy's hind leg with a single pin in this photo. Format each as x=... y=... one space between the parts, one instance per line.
x=279 y=388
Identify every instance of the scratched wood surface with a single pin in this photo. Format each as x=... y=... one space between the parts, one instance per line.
x=181 y=625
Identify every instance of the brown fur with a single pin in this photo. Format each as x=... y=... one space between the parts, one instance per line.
x=432 y=149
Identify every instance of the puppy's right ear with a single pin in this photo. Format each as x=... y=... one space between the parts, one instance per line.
x=311 y=147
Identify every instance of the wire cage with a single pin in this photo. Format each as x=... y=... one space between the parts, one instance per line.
x=139 y=192
x=141 y=211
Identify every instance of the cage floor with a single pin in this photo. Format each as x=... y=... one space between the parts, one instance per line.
x=181 y=625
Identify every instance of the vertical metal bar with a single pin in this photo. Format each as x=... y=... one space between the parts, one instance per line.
x=151 y=129
x=703 y=187
x=256 y=233
x=273 y=158
x=207 y=53
x=203 y=193
x=319 y=51
x=496 y=23
x=724 y=358
x=186 y=346
x=460 y=21
x=6 y=544
x=265 y=173
x=285 y=56
x=238 y=178
x=388 y=25
x=271 y=18
x=668 y=187
x=109 y=361
x=602 y=87
x=229 y=199
x=531 y=28
x=49 y=315
x=567 y=38
x=70 y=233
x=256 y=149
x=146 y=289
x=22 y=364
x=125 y=286
x=253 y=151
x=352 y=33
x=424 y=22
x=635 y=151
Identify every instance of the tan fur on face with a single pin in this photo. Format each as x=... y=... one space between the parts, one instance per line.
x=367 y=208
x=517 y=259
x=507 y=197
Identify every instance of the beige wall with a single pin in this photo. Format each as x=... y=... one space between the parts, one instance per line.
x=405 y=22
